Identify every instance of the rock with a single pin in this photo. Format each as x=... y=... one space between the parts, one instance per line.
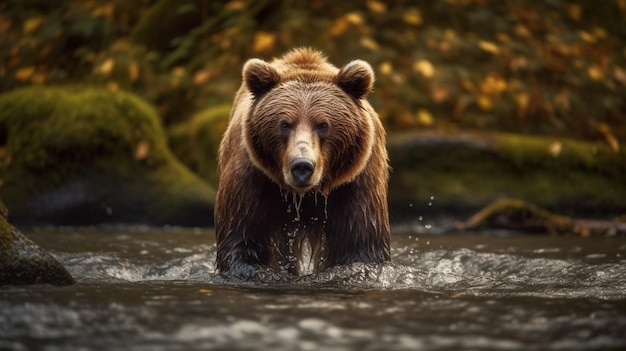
x=23 y=262
x=84 y=156
x=459 y=173
x=196 y=141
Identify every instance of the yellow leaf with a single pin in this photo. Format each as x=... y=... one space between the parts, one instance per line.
x=522 y=100
x=489 y=47
x=235 y=5
x=439 y=93
x=424 y=117
x=608 y=135
x=113 y=86
x=522 y=31
x=38 y=78
x=386 y=67
x=142 y=149
x=178 y=74
x=31 y=24
x=586 y=36
x=600 y=32
x=619 y=74
x=413 y=17
x=449 y=34
x=340 y=25
x=201 y=76
x=105 y=10
x=503 y=37
x=106 y=67
x=133 y=71
x=354 y=18
x=554 y=149
x=574 y=11
x=595 y=72
x=484 y=102
x=24 y=73
x=263 y=42
x=370 y=43
x=376 y=6
x=424 y=67
x=493 y=84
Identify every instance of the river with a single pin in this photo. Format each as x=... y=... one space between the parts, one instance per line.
x=144 y=288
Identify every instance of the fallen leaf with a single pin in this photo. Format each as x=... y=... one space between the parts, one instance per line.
x=142 y=149
x=554 y=149
x=413 y=17
x=488 y=46
x=439 y=93
x=522 y=31
x=425 y=68
x=133 y=71
x=574 y=11
x=263 y=42
x=484 y=103
x=385 y=67
x=25 y=73
x=376 y=6
x=586 y=36
x=619 y=74
x=354 y=18
x=595 y=72
x=201 y=76
x=493 y=84
x=235 y=5
x=106 y=67
x=32 y=24
x=424 y=117
x=340 y=25
x=370 y=43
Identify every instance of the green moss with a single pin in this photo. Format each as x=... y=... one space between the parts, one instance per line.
x=196 y=141
x=467 y=171
x=23 y=262
x=91 y=150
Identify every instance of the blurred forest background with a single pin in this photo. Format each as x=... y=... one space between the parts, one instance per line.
x=551 y=67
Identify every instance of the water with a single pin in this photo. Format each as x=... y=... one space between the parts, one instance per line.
x=155 y=289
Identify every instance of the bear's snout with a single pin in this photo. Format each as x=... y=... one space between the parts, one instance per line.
x=301 y=171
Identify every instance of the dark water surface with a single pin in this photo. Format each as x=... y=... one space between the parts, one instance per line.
x=154 y=289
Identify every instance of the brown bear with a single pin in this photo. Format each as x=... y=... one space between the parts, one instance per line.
x=303 y=161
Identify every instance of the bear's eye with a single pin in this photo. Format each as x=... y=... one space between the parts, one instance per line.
x=285 y=126
x=322 y=127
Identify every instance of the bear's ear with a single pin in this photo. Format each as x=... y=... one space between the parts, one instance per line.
x=260 y=77
x=356 y=78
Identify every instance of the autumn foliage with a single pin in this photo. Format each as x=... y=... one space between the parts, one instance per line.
x=542 y=67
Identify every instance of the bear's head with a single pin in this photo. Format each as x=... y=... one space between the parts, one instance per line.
x=309 y=126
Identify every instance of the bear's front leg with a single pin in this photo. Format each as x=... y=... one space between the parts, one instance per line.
x=240 y=255
x=357 y=226
x=245 y=220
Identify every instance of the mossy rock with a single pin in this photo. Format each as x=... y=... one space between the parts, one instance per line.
x=196 y=141
x=463 y=172
x=22 y=262
x=74 y=155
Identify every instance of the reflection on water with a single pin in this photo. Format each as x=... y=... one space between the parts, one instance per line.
x=152 y=289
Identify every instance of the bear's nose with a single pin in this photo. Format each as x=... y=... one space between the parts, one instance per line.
x=301 y=171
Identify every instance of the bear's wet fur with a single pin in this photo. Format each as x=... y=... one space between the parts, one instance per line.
x=303 y=160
